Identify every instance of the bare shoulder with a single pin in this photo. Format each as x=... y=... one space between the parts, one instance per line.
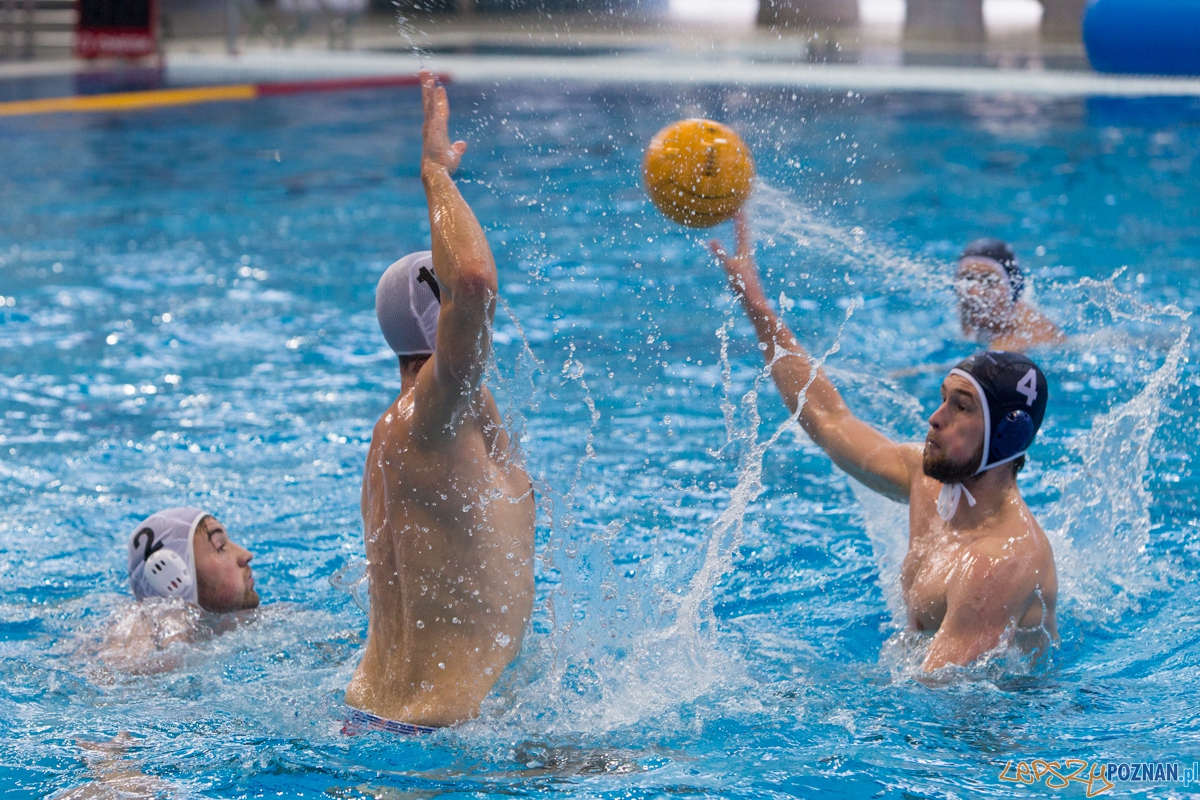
x=1032 y=329
x=913 y=453
x=396 y=421
x=1019 y=561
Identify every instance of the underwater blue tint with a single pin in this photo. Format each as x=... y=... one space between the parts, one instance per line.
x=717 y=612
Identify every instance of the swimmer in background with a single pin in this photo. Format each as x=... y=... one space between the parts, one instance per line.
x=183 y=569
x=448 y=508
x=989 y=283
x=975 y=571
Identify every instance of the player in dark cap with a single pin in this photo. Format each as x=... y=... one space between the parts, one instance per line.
x=990 y=285
x=978 y=563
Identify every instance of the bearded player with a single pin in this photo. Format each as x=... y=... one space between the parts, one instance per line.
x=978 y=564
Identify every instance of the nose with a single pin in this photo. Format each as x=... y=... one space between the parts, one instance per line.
x=937 y=418
x=244 y=556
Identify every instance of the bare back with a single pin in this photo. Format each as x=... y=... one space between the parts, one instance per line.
x=449 y=538
x=448 y=510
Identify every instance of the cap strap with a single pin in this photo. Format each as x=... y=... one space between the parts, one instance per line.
x=949 y=497
x=987 y=417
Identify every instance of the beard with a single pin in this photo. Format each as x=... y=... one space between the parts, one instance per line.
x=943 y=469
x=249 y=600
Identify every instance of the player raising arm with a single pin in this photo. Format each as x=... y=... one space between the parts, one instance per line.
x=973 y=568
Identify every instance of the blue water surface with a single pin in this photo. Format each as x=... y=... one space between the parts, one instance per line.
x=188 y=319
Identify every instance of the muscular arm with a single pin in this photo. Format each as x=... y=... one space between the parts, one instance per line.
x=466 y=275
x=863 y=452
x=984 y=597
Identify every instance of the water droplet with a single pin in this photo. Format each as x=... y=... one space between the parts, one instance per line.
x=441 y=665
x=420 y=623
x=503 y=639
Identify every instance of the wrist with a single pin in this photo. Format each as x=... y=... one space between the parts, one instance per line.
x=756 y=304
x=431 y=169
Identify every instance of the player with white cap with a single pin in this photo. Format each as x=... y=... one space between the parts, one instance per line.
x=183 y=567
x=448 y=508
x=187 y=554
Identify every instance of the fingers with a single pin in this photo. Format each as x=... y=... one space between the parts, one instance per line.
x=443 y=103
x=433 y=98
x=745 y=242
x=427 y=90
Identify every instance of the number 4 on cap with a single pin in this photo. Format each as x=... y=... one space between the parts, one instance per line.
x=1028 y=387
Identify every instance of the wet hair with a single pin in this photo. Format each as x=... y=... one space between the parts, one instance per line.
x=999 y=251
x=409 y=360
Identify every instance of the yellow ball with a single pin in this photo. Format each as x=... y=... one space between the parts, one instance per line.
x=698 y=172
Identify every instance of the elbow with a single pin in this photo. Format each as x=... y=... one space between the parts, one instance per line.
x=477 y=280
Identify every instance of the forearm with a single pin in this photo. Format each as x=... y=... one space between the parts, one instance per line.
x=462 y=258
x=792 y=368
x=855 y=446
x=960 y=650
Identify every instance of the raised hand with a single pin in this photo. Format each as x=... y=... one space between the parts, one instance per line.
x=741 y=269
x=436 y=147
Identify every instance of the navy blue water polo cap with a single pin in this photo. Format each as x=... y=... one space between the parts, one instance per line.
x=999 y=251
x=1013 y=392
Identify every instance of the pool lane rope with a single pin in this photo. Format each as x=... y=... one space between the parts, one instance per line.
x=159 y=98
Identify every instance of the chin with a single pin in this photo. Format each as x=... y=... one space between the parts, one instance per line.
x=943 y=469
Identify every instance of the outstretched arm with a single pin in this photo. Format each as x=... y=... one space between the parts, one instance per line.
x=466 y=274
x=856 y=447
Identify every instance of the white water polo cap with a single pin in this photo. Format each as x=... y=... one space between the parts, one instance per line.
x=408 y=300
x=162 y=561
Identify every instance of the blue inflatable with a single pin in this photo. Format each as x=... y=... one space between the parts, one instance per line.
x=1149 y=37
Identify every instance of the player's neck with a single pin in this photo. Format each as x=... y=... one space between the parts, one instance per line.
x=992 y=490
x=408 y=377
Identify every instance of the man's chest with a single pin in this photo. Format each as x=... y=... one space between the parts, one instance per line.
x=925 y=578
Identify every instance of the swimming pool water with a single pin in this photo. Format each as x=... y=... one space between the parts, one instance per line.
x=192 y=322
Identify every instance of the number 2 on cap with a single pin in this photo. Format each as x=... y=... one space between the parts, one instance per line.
x=1028 y=387
x=151 y=546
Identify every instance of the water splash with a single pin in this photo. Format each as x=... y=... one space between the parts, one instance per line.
x=626 y=647
x=1100 y=526
x=407 y=28
x=780 y=215
x=355 y=580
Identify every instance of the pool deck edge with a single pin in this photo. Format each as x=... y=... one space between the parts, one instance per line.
x=720 y=69
x=186 y=74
